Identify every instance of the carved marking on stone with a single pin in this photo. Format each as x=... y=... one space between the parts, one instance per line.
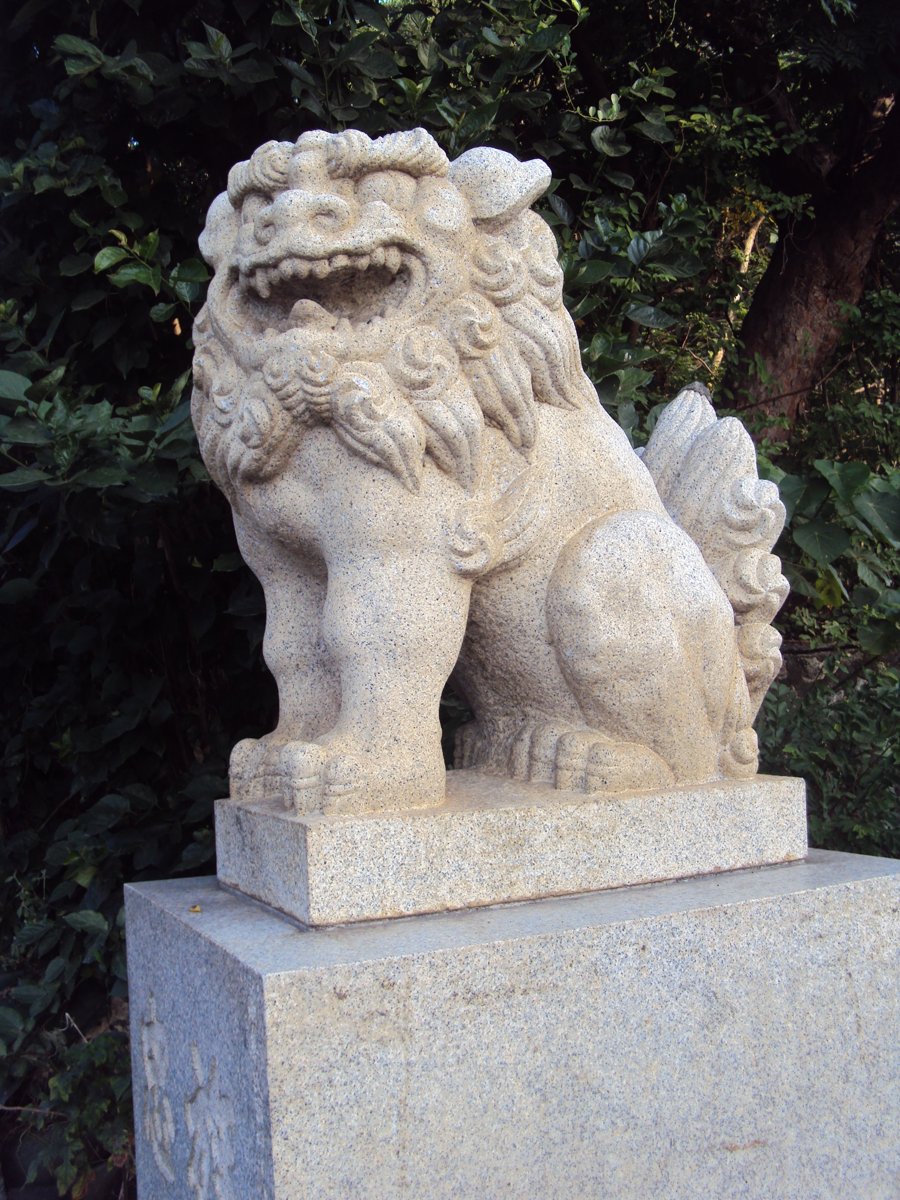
x=159 y=1121
x=209 y=1114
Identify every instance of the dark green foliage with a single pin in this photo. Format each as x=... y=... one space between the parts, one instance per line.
x=842 y=736
x=130 y=651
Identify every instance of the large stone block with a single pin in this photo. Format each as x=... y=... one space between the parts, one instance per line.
x=497 y=840
x=730 y=1036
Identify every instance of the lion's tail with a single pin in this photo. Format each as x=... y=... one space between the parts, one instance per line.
x=705 y=472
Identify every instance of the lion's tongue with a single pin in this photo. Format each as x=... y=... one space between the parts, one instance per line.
x=308 y=312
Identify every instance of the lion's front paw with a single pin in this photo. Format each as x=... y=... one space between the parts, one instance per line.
x=304 y=776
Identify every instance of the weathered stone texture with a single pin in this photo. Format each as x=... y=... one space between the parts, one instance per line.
x=497 y=840
x=732 y=1036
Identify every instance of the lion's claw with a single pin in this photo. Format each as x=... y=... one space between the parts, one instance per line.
x=303 y=776
x=566 y=758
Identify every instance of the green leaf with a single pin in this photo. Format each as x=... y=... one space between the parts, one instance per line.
x=100 y=477
x=477 y=121
x=88 y=299
x=156 y=478
x=55 y=969
x=136 y=272
x=621 y=385
x=13 y=386
x=801 y=494
x=192 y=270
x=546 y=39
x=594 y=271
x=181 y=414
x=639 y=247
x=661 y=134
x=108 y=257
x=17 y=591
x=74 y=264
x=620 y=178
x=680 y=265
x=882 y=511
x=66 y=43
x=227 y=562
x=879 y=637
x=162 y=312
x=88 y=921
x=561 y=208
x=113 y=193
x=821 y=540
x=11 y=1023
x=379 y=63
x=829 y=588
x=652 y=318
x=22 y=477
x=608 y=140
x=23 y=431
x=847 y=478
x=218 y=42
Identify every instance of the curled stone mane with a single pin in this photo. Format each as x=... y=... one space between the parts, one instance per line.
x=485 y=355
x=353 y=154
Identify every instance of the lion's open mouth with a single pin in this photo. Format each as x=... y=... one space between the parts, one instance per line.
x=358 y=289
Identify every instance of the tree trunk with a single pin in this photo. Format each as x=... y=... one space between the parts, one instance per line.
x=819 y=268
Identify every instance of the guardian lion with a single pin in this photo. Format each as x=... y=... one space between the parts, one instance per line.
x=388 y=389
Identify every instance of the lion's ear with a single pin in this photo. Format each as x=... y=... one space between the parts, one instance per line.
x=496 y=185
x=220 y=230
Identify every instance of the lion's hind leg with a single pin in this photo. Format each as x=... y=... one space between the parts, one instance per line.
x=645 y=639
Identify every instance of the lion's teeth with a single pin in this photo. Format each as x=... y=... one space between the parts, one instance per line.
x=261 y=283
x=361 y=262
x=320 y=268
x=392 y=259
x=378 y=256
x=275 y=276
x=343 y=326
x=339 y=262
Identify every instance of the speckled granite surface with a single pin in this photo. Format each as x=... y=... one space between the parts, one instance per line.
x=497 y=840
x=728 y=1036
x=388 y=389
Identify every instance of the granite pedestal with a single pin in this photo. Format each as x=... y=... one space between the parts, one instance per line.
x=733 y=1035
x=496 y=840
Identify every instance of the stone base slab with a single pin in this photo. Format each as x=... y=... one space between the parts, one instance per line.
x=730 y=1036
x=496 y=840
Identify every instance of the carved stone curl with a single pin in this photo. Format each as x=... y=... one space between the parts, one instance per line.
x=389 y=390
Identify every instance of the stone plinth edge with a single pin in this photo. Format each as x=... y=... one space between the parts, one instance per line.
x=731 y=1036
x=496 y=841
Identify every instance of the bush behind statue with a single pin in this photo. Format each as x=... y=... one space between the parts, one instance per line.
x=131 y=648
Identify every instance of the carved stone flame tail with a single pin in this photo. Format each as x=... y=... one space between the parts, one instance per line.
x=705 y=472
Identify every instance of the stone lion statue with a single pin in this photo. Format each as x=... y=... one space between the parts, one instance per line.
x=388 y=389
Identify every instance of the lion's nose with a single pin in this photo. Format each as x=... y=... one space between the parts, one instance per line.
x=298 y=210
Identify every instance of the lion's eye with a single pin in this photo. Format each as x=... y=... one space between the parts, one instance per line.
x=390 y=187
